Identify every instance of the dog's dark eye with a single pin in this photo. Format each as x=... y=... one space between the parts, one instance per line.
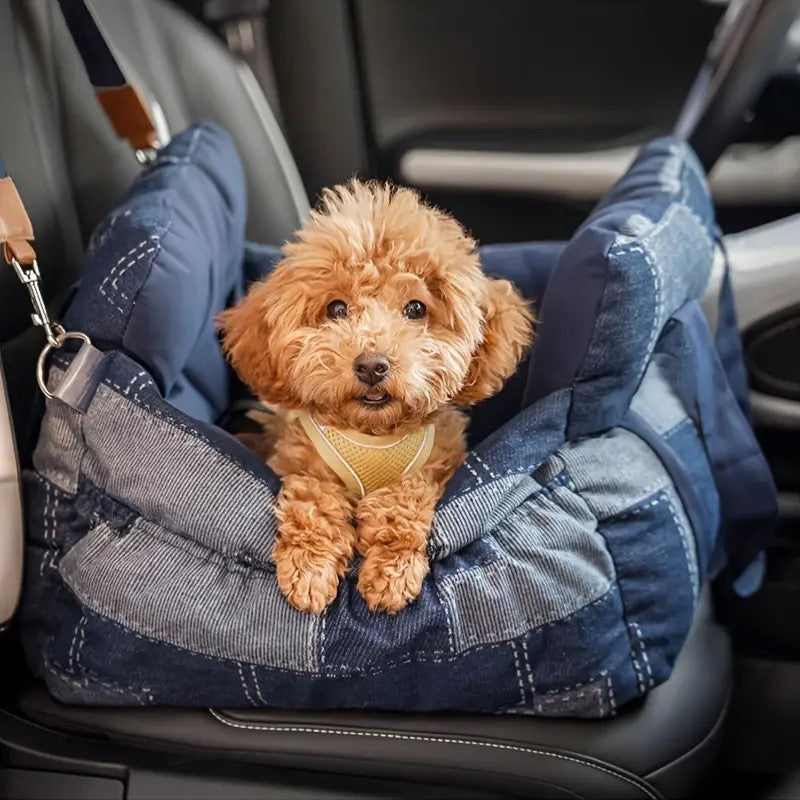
x=337 y=309
x=415 y=310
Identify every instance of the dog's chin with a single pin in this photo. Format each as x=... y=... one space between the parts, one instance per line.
x=378 y=414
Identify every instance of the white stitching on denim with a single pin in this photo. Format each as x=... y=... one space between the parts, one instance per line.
x=322 y=640
x=129 y=265
x=71 y=652
x=676 y=427
x=645 y=657
x=611 y=698
x=691 y=564
x=643 y=787
x=484 y=465
x=474 y=474
x=53 y=529
x=635 y=661
x=658 y=500
x=46 y=525
x=128 y=628
x=83 y=683
x=244 y=684
x=109 y=276
x=513 y=646
x=81 y=642
x=255 y=683
x=127 y=390
x=515 y=631
x=528 y=666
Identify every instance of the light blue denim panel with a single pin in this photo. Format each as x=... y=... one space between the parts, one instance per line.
x=58 y=453
x=468 y=517
x=208 y=496
x=656 y=401
x=614 y=471
x=166 y=587
x=551 y=562
x=678 y=239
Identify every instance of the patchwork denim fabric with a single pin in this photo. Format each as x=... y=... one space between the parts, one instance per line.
x=567 y=553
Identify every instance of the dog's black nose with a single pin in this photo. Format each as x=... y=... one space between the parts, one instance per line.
x=371 y=368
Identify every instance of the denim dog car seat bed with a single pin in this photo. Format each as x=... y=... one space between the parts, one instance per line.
x=613 y=476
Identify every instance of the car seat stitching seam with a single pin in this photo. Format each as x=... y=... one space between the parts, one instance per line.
x=643 y=788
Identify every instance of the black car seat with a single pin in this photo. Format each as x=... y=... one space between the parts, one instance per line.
x=70 y=169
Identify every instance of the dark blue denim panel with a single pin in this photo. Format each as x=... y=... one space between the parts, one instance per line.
x=353 y=639
x=733 y=453
x=728 y=341
x=164 y=263
x=586 y=645
x=685 y=443
x=605 y=298
x=519 y=446
x=655 y=584
x=528 y=266
x=94 y=660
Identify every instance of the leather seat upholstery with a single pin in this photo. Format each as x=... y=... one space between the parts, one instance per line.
x=70 y=169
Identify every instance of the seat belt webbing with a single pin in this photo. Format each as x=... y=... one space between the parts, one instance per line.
x=121 y=100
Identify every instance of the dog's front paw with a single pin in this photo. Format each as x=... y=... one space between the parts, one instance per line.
x=308 y=581
x=389 y=580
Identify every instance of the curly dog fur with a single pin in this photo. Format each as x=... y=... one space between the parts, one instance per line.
x=344 y=289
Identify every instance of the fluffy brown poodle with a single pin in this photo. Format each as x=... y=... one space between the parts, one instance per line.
x=374 y=327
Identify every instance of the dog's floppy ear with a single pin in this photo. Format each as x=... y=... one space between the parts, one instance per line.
x=251 y=338
x=507 y=332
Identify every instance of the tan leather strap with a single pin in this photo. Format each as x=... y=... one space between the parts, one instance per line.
x=129 y=114
x=16 y=231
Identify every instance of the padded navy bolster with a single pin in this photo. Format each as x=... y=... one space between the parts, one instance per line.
x=643 y=252
x=164 y=263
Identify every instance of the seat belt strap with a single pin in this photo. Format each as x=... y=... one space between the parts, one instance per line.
x=122 y=102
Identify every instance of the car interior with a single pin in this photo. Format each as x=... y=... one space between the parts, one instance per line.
x=516 y=117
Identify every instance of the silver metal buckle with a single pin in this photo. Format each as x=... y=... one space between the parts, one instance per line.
x=57 y=344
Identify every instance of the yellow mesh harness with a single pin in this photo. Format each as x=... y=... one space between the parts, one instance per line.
x=365 y=463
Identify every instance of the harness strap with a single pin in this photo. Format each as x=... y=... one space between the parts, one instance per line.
x=366 y=463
